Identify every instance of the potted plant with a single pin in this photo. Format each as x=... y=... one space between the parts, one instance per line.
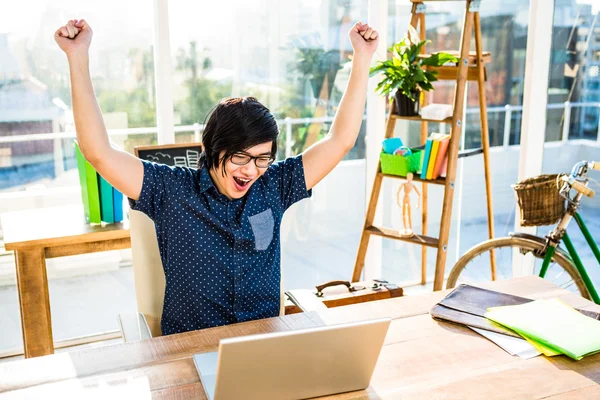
x=317 y=65
x=405 y=75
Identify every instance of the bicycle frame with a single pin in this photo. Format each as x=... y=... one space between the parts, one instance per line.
x=573 y=253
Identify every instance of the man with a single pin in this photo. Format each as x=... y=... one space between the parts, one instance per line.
x=218 y=226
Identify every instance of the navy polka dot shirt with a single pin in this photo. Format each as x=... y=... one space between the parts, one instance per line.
x=221 y=257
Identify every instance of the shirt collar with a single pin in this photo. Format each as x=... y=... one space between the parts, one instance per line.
x=205 y=180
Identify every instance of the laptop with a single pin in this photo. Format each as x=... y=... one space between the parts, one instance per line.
x=294 y=365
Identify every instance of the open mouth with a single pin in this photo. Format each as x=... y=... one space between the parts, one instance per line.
x=241 y=183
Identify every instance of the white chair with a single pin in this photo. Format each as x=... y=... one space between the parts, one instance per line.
x=149 y=280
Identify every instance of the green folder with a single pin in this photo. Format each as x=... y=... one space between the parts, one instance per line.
x=82 y=180
x=106 y=200
x=93 y=193
x=552 y=324
x=89 y=189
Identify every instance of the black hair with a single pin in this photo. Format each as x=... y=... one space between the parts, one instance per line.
x=235 y=125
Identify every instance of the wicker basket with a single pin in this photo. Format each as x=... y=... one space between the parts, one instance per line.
x=539 y=200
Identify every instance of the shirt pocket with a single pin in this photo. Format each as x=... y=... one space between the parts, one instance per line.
x=262 y=226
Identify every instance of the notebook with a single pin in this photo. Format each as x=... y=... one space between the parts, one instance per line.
x=553 y=324
x=441 y=156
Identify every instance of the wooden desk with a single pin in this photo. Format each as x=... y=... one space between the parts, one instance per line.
x=420 y=359
x=37 y=234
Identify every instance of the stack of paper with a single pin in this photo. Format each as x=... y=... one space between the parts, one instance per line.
x=512 y=345
x=551 y=326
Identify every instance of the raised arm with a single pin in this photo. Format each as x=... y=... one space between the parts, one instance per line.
x=121 y=169
x=324 y=155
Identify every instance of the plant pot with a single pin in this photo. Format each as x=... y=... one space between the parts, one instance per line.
x=405 y=106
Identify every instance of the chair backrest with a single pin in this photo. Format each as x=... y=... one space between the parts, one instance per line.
x=148 y=273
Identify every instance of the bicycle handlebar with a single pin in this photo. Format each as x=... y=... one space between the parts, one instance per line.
x=595 y=165
x=580 y=187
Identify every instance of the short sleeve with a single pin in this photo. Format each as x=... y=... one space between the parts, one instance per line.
x=287 y=179
x=161 y=183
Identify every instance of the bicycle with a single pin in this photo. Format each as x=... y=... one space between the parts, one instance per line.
x=562 y=267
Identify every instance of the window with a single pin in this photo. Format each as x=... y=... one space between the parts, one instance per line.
x=35 y=99
x=580 y=121
x=293 y=57
x=577 y=78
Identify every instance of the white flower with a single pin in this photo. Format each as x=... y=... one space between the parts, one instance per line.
x=413 y=35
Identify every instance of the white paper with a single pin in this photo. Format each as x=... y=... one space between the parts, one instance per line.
x=512 y=345
x=436 y=111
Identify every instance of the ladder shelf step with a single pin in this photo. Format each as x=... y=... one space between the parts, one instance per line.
x=470 y=152
x=450 y=73
x=419 y=119
x=394 y=234
x=416 y=178
x=487 y=56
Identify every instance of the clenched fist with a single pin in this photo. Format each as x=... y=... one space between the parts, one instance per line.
x=364 y=39
x=74 y=37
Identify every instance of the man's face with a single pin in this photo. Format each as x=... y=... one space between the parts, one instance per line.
x=238 y=178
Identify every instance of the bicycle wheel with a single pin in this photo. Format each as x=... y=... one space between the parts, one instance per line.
x=474 y=265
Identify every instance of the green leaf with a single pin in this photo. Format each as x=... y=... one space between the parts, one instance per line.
x=420 y=46
x=419 y=75
x=379 y=86
x=426 y=86
x=444 y=58
x=430 y=76
x=438 y=59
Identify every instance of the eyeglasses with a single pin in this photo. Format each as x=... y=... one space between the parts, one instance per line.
x=243 y=159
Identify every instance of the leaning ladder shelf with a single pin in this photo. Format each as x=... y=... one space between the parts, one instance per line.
x=469 y=68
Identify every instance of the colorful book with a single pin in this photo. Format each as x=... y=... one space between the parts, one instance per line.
x=82 y=179
x=118 y=205
x=425 y=163
x=444 y=166
x=441 y=155
x=427 y=159
x=93 y=193
x=89 y=188
x=432 y=157
x=106 y=200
